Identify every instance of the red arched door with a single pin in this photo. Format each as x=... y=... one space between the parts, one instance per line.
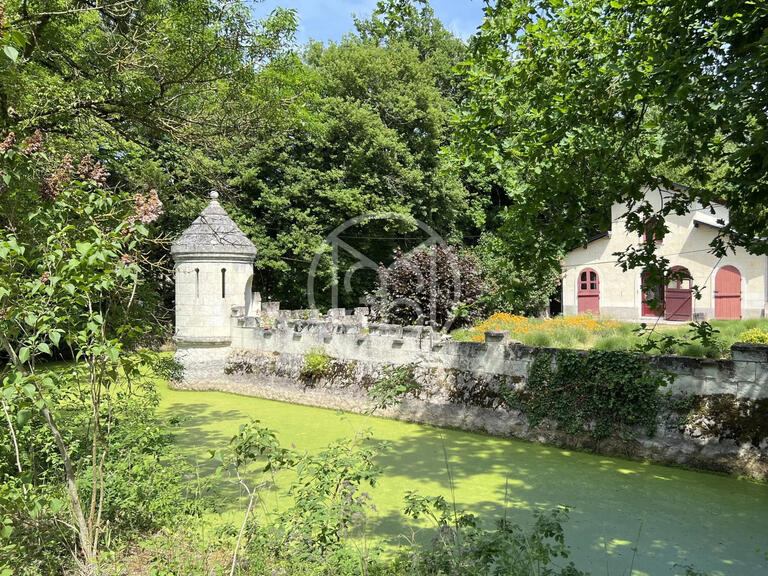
x=589 y=292
x=678 y=296
x=655 y=293
x=728 y=293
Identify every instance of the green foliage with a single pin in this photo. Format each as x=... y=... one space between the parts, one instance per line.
x=166 y=367
x=600 y=392
x=396 y=383
x=317 y=364
x=327 y=502
x=518 y=285
x=614 y=343
x=69 y=280
x=461 y=546
x=570 y=126
x=754 y=336
x=136 y=70
x=701 y=339
x=145 y=479
x=358 y=128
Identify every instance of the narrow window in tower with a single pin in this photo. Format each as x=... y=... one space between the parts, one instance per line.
x=223 y=283
x=197 y=282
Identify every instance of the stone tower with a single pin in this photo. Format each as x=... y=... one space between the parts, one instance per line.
x=214 y=270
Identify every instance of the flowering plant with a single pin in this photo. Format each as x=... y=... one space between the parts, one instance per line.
x=519 y=325
x=71 y=263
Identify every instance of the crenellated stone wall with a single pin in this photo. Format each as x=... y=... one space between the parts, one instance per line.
x=465 y=384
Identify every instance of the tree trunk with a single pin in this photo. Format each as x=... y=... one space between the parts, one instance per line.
x=84 y=533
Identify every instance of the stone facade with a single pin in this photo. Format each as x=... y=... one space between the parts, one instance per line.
x=461 y=384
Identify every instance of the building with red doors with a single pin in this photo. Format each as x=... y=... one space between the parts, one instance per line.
x=734 y=286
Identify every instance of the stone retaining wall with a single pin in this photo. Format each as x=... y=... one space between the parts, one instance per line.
x=463 y=384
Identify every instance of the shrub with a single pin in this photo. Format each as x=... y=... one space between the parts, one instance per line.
x=541 y=339
x=462 y=546
x=394 y=385
x=165 y=366
x=317 y=364
x=694 y=349
x=754 y=336
x=439 y=285
x=146 y=480
x=614 y=343
x=515 y=286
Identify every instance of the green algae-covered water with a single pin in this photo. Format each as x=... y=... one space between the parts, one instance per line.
x=673 y=517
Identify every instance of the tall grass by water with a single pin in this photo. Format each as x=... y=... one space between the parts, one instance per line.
x=586 y=332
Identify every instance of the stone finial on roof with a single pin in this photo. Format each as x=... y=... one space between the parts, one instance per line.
x=212 y=234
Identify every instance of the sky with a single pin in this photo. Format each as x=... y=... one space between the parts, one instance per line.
x=331 y=19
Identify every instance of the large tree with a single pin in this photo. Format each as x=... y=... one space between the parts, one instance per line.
x=142 y=70
x=144 y=86
x=577 y=105
x=362 y=133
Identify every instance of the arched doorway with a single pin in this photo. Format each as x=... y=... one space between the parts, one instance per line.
x=653 y=294
x=589 y=292
x=678 y=296
x=728 y=293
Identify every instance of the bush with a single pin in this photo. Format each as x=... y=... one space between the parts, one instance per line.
x=439 y=286
x=514 y=286
x=317 y=364
x=541 y=339
x=145 y=479
x=614 y=343
x=754 y=336
x=462 y=546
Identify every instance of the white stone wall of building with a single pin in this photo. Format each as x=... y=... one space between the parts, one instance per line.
x=684 y=245
x=213 y=273
x=202 y=311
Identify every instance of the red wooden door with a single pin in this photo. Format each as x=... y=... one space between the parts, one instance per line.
x=678 y=297
x=589 y=292
x=728 y=293
x=652 y=293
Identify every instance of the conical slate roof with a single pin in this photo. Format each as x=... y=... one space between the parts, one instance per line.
x=213 y=233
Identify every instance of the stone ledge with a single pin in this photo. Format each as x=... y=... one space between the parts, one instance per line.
x=746 y=352
x=203 y=340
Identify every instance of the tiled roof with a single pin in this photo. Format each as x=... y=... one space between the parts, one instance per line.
x=213 y=232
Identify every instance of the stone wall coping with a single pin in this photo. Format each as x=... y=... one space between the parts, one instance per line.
x=202 y=340
x=749 y=346
x=748 y=352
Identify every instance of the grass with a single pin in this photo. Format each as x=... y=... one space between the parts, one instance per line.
x=586 y=332
x=716 y=522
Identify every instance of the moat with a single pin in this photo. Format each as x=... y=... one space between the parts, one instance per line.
x=673 y=517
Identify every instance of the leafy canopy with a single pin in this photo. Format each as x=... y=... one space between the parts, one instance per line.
x=578 y=105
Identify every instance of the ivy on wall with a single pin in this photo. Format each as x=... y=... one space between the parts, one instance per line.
x=602 y=392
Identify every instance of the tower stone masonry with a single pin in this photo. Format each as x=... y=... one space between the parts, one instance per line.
x=213 y=272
